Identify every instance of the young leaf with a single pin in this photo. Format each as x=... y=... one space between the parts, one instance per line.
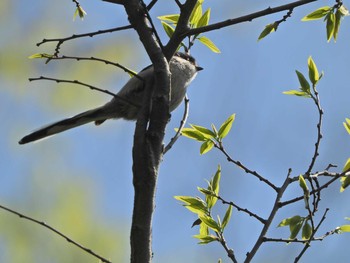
x=169 y=30
x=227 y=217
x=344 y=228
x=40 y=55
x=170 y=18
x=347 y=125
x=345 y=182
x=306 y=232
x=205 y=239
x=196 y=14
x=79 y=11
x=206 y=147
x=204 y=20
x=267 y=30
x=206 y=132
x=203 y=229
x=317 y=14
x=346 y=166
x=194 y=204
x=330 y=25
x=215 y=183
x=226 y=126
x=337 y=22
x=208 y=43
x=193 y=134
x=295 y=228
x=297 y=93
x=290 y=220
x=304 y=84
x=343 y=10
x=303 y=184
x=313 y=71
x=210 y=222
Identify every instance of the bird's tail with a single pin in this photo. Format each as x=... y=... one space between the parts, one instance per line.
x=98 y=115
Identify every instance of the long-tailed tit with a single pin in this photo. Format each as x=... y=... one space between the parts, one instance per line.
x=127 y=103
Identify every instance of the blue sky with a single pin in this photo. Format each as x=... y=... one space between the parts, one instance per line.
x=272 y=131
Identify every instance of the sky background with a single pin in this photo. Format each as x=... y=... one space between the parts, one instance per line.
x=81 y=181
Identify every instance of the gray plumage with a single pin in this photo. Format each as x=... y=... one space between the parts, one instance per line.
x=127 y=103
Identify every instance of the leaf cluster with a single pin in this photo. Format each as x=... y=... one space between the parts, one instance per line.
x=197 y=19
x=210 y=229
x=305 y=87
x=209 y=137
x=332 y=16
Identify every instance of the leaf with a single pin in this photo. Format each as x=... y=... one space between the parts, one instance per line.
x=346 y=166
x=345 y=182
x=343 y=10
x=203 y=229
x=317 y=14
x=306 y=232
x=170 y=18
x=196 y=223
x=204 y=20
x=295 y=228
x=267 y=30
x=206 y=147
x=205 y=191
x=193 y=134
x=347 y=125
x=215 y=184
x=313 y=71
x=337 y=22
x=205 y=239
x=226 y=126
x=206 y=132
x=297 y=93
x=194 y=204
x=302 y=184
x=330 y=26
x=210 y=222
x=41 y=55
x=227 y=217
x=169 y=30
x=344 y=228
x=79 y=11
x=290 y=220
x=304 y=84
x=208 y=43
x=196 y=14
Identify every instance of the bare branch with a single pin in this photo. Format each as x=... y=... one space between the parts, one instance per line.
x=246 y=18
x=87 y=250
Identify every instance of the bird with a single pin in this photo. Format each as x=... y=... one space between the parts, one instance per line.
x=127 y=102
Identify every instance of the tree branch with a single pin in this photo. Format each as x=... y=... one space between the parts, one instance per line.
x=87 y=250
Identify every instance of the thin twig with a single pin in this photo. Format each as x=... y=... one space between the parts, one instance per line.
x=182 y=124
x=85 y=85
x=245 y=168
x=230 y=252
x=268 y=223
x=88 y=250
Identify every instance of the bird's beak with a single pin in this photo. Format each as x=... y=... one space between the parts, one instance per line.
x=199 y=68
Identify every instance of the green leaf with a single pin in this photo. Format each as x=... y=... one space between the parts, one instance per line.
x=205 y=239
x=345 y=182
x=290 y=220
x=203 y=229
x=295 y=228
x=208 y=43
x=169 y=30
x=317 y=14
x=193 y=134
x=215 y=183
x=313 y=71
x=227 y=217
x=343 y=10
x=41 y=55
x=306 y=232
x=226 y=126
x=304 y=84
x=194 y=204
x=347 y=125
x=302 y=184
x=210 y=222
x=344 y=228
x=206 y=147
x=204 y=20
x=206 y=191
x=337 y=22
x=267 y=30
x=206 y=132
x=196 y=14
x=170 y=18
x=297 y=93
x=79 y=11
x=330 y=25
